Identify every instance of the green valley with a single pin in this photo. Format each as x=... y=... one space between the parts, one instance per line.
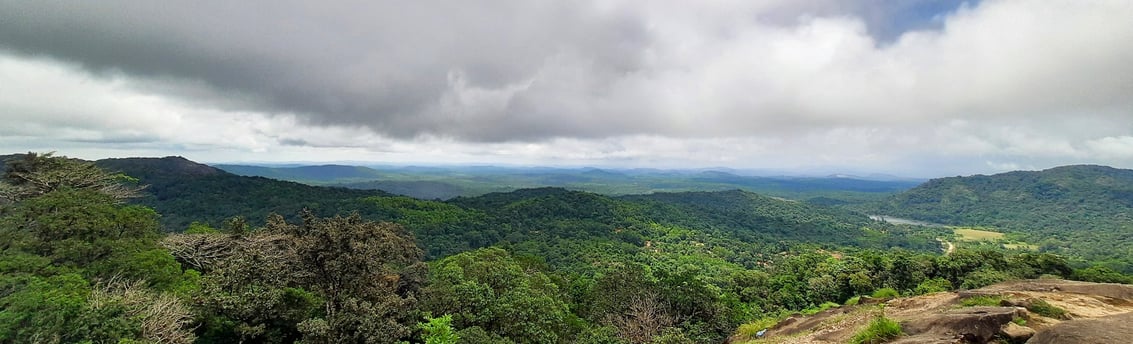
x=93 y=247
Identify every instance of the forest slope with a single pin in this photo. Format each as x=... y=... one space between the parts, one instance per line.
x=1083 y=210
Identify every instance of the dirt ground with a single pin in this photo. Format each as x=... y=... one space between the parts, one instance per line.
x=936 y=315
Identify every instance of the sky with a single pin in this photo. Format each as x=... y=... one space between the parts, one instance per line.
x=916 y=88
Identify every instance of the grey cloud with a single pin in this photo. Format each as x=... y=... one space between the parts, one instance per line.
x=523 y=70
x=380 y=64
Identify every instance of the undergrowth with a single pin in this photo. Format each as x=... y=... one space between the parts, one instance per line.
x=880 y=330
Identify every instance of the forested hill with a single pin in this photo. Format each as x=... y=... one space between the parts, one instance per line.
x=739 y=223
x=1083 y=209
x=546 y=265
x=184 y=191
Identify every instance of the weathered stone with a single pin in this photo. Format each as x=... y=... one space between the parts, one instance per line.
x=973 y=325
x=1016 y=334
x=1114 y=329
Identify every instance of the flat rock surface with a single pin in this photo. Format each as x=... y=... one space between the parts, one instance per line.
x=1099 y=313
x=1115 y=329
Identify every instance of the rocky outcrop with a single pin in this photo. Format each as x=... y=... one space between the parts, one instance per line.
x=1031 y=311
x=964 y=325
x=1016 y=334
x=1113 y=329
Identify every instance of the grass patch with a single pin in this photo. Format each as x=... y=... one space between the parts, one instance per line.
x=972 y=234
x=824 y=306
x=886 y=293
x=982 y=300
x=1041 y=307
x=853 y=301
x=1019 y=321
x=748 y=330
x=880 y=330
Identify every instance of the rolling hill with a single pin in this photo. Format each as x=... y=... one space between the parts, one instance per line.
x=1082 y=210
x=184 y=191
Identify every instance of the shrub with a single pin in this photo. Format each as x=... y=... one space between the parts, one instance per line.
x=880 y=330
x=886 y=293
x=1041 y=307
x=933 y=286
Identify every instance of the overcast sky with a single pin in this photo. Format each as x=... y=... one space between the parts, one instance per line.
x=907 y=87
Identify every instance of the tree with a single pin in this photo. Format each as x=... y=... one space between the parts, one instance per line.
x=368 y=274
x=488 y=289
x=34 y=174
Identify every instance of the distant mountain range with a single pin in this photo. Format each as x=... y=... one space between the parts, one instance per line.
x=449 y=182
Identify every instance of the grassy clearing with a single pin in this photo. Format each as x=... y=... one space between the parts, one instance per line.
x=972 y=234
x=880 y=330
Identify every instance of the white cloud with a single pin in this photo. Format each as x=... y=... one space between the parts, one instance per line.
x=738 y=83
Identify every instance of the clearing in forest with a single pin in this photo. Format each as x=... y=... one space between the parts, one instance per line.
x=972 y=234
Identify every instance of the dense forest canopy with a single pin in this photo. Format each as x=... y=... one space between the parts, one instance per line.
x=80 y=262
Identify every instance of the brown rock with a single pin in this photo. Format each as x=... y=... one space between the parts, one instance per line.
x=1114 y=329
x=971 y=325
x=1015 y=333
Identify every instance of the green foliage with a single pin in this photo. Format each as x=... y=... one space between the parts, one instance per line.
x=1043 y=308
x=31 y=175
x=200 y=228
x=886 y=293
x=749 y=330
x=982 y=300
x=1101 y=274
x=853 y=301
x=880 y=330
x=1079 y=211
x=562 y=266
x=184 y=192
x=488 y=289
x=439 y=330
x=818 y=309
x=934 y=285
x=77 y=266
x=984 y=277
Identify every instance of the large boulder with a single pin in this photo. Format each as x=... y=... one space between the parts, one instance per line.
x=1016 y=334
x=965 y=325
x=1115 y=329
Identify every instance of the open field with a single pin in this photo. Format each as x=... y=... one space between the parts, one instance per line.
x=972 y=234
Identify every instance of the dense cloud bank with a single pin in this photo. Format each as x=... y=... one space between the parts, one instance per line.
x=849 y=83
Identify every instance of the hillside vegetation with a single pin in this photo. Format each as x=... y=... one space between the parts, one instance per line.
x=84 y=259
x=1083 y=211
